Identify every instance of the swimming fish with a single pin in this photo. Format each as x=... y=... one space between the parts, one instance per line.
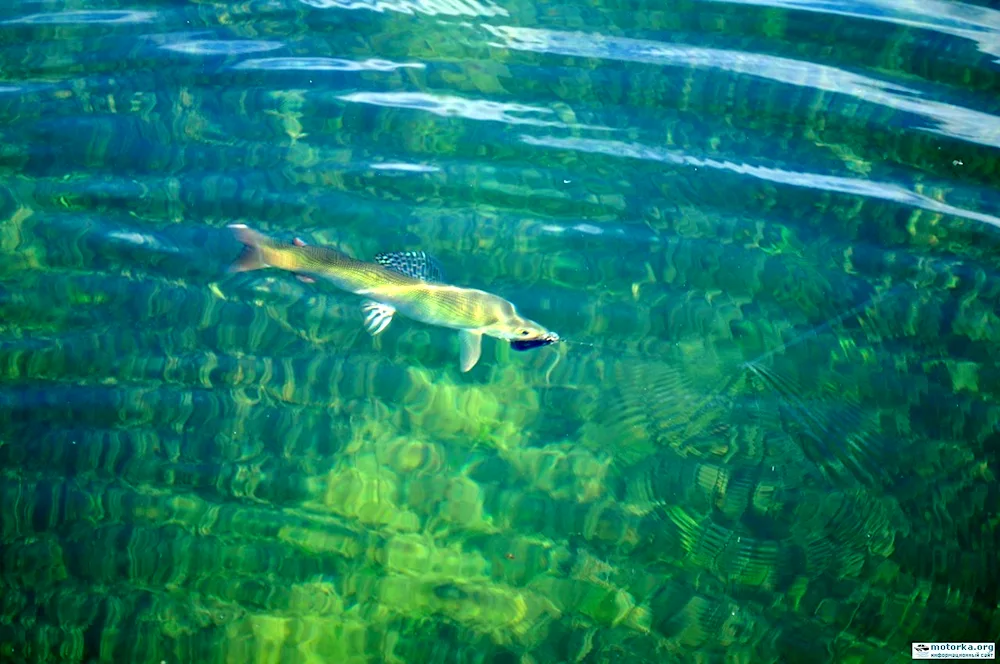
x=408 y=283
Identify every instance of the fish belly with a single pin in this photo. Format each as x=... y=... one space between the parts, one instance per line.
x=448 y=308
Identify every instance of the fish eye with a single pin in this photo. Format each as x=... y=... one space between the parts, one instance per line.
x=525 y=333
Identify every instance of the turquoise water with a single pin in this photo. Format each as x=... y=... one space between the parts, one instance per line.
x=765 y=229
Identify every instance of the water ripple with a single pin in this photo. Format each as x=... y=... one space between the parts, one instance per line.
x=947 y=119
x=222 y=47
x=92 y=16
x=326 y=64
x=867 y=188
x=449 y=106
x=978 y=24
x=432 y=7
x=409 y=168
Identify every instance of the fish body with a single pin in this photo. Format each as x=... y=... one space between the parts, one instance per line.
x=407 y=283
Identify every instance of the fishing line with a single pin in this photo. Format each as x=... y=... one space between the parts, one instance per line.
x=815 y=331
x=552 y=367
x=579 y=343
x=808 y=334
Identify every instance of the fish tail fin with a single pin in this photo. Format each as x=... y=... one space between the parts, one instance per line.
x=252 y=257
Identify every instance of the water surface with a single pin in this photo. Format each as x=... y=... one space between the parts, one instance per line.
x=767 y=229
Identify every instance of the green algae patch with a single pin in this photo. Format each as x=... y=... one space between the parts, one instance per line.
x=493 y=414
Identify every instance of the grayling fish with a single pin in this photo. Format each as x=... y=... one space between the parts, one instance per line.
x=408 y=283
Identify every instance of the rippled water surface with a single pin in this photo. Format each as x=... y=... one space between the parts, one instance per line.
x=767 y=231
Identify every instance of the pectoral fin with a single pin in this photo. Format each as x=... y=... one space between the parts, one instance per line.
x=377 y=316
x=472 y=348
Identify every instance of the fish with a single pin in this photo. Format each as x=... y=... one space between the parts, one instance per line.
x=408 y=283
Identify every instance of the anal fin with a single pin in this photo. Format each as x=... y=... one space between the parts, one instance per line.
x=471 y=348
x=377 y=316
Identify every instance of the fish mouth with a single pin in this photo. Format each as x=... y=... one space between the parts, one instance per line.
x=528 y=344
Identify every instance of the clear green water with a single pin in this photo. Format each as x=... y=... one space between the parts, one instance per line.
x=768 y=228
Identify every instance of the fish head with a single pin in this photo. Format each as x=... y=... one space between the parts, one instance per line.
x=523 y=334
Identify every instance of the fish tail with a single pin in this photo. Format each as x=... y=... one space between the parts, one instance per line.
x=252 y=257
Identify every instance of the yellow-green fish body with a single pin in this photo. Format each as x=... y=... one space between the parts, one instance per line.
x=404 y=283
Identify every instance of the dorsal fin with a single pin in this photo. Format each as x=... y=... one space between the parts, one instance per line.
x=416 y=264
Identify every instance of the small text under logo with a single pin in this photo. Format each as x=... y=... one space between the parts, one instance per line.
x=925 y=650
